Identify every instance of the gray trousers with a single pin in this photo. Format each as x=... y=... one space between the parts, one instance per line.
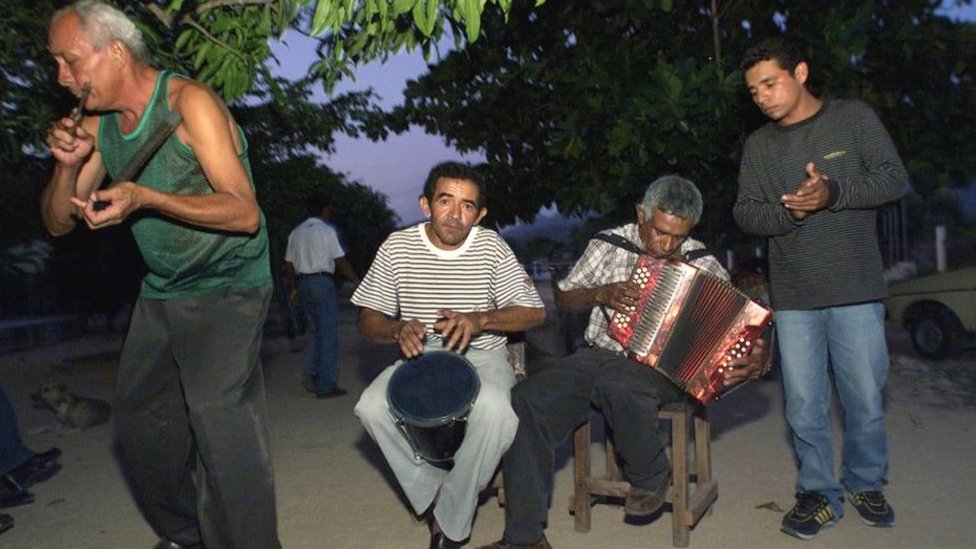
x=191 y=419
x=490 y=430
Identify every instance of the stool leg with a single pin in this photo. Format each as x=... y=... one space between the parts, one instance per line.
x=500 y=488
x=703 y=454
x=679 y=473
x=610 y=456
x=581 y=474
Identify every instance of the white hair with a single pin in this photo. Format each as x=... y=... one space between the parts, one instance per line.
x=103 y=23
x=674 y=195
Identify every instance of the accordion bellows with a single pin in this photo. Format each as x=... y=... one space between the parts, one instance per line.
x=688 y=324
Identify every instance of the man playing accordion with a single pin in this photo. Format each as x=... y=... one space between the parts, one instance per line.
x=553 y=402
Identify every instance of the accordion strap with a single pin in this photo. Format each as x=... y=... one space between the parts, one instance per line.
x=695 y=255
x=621 y=242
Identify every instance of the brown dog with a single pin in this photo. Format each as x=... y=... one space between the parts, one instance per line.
x=71 y=410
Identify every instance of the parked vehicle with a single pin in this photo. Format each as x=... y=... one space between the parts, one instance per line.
x=939 y=311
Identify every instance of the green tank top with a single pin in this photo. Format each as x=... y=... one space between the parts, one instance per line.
x=183 y=260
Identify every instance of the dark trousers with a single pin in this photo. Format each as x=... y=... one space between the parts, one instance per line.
x=191 y=419
x=13 y=453
x=552 y=403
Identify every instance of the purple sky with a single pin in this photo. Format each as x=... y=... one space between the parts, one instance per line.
x=397 y=167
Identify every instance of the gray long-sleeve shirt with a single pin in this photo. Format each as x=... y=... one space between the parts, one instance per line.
x=831 y=257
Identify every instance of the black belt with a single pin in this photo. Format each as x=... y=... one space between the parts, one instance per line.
x=308 y=275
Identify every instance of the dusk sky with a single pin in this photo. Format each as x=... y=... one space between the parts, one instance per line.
x=397 y=167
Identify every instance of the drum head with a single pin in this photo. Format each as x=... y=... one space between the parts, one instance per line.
x=433 y=388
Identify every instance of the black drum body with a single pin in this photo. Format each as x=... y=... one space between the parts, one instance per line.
x=430 y=397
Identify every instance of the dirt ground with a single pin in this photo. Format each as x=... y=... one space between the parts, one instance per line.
x=334 y=490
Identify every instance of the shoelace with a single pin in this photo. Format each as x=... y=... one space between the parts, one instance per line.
x=872 y=497
x=808 y=503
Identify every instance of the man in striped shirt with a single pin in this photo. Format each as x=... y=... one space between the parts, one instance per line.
x=447 y=284
x=556 y=400
x=810 y=181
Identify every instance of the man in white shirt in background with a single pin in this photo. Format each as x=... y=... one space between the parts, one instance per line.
x=313 y=255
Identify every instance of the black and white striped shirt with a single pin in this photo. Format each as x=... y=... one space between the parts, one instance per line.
x=410 y=278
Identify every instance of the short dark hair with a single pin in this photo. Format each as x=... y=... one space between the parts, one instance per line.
x=783 y=51
x=455 y=170
x=316 y=202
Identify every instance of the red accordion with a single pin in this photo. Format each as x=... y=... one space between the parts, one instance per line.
x=688 y=324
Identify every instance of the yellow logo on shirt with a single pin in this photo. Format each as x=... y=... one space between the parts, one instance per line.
x=835 y=154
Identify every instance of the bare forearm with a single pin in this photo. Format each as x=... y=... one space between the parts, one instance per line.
x=220 y=210
x=57 y=211
x=511 y=319
x=377 y=326
x=580 y=299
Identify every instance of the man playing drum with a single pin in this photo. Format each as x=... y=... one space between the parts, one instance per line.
x=447 y=285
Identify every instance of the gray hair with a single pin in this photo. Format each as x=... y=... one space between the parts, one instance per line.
x=103 y=23
x=674 y=195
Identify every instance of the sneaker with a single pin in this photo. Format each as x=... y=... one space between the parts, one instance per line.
x=811 y=513
x=641 y=502
x=504 y=544
x=873 y=508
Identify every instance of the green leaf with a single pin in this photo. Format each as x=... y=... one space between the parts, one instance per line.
x=432 y=6
x=183 y=39
x=420 y=16
x=175 y=6
x=201 y=55
x=471 y=13
x=324 y=15
x=403 y=6
x=266 y=26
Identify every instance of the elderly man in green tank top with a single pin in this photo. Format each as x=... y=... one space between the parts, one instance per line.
x=191 y=421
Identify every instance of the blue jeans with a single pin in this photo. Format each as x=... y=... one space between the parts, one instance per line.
x=852 y=338
x=12 y=450
x=321 y=304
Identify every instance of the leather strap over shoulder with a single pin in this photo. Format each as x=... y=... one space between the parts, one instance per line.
x=621 y=242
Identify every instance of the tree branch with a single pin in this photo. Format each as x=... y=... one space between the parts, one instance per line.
x=716 y=41
x=187 y=20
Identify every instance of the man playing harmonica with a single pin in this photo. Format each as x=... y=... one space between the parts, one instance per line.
x=555 y=401
x=190 y=410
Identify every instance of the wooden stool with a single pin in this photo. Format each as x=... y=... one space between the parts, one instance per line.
x=686 y=507
x=516 y=357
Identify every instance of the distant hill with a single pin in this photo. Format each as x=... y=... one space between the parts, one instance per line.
x=555 y=227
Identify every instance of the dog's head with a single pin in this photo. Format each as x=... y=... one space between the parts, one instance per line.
x=51 y=395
